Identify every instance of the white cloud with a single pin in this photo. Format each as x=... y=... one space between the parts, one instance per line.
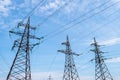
x=2 y=24
x=115 y=0
x=77 y=6
x=34 y=2
x=5 y=7
x=25 y=4
x=113 y=60
x=46 y=7
x=118 y=3
x=52 y=6
x=111 y=42
x=7 y=26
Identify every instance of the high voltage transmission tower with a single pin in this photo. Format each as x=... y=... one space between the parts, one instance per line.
x=101 y=70
x=70 y=71
x=20 y=69
x=50 y=78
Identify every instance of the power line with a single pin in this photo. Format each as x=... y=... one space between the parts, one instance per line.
x=39 y=24
x=40 y=3
x=82 y=20
x=30 y=13
x=79 y=17
x=100 y=27
x=85 y=19
x=84 y=65
x=104 y=24
x=52 y=62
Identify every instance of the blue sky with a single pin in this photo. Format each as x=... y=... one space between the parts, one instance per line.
x=45 y=60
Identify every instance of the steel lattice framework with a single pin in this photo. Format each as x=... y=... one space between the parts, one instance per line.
x=50 y=78
x=101 y=70
x=20 y=69
x=70 y=71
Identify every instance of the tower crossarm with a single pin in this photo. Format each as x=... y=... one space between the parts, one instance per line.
x=72 y=53
x=30 y=36
x=16 y=33
x=34 y=37
x=21 y=24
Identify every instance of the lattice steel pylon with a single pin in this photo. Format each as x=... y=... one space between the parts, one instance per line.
x=20 y=69
x=101 y=70
x=50 y=77
x=70 y=71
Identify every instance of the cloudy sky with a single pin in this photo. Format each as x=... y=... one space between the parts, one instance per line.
x=82 y=20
